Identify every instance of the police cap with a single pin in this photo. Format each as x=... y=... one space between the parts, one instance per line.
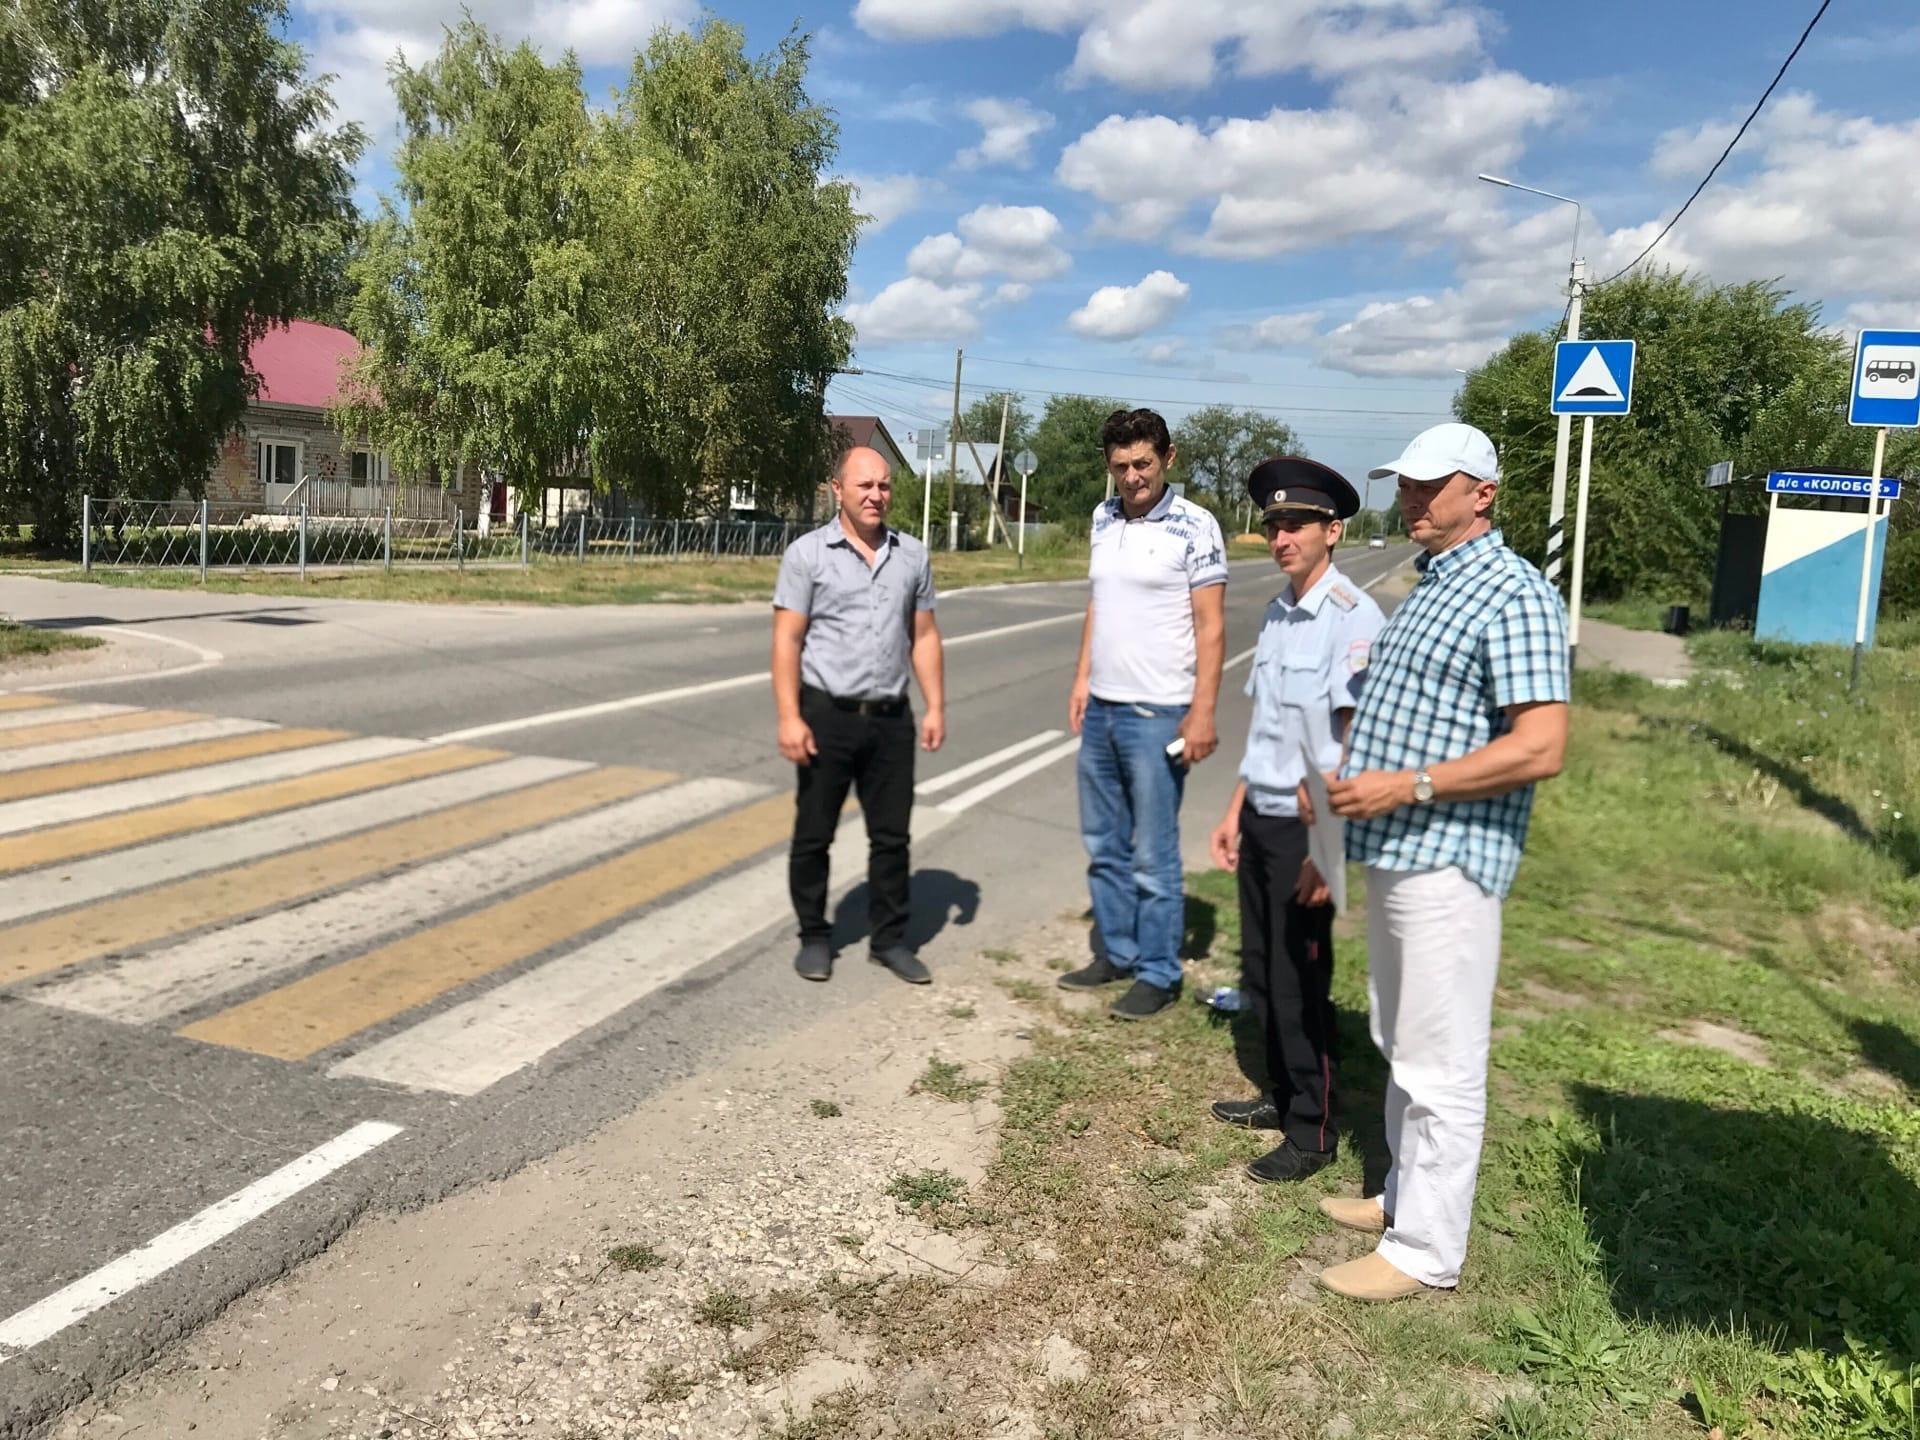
x=1293 y=485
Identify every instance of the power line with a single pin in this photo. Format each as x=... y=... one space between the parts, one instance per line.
x=929 y=382
x=1164 y=375
x=1779 y=75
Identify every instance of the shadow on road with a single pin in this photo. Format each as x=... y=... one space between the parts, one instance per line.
x=940 y=898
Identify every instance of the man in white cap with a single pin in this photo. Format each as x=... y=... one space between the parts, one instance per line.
x=1465 y=709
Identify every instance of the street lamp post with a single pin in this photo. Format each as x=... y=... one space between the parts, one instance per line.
x=1576 y=288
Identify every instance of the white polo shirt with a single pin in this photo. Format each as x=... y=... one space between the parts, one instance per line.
x=1143 y=574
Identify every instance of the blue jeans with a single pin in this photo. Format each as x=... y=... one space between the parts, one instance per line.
x=1130 y=821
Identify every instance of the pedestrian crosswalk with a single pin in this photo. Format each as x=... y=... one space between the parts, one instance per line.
x=429 y=914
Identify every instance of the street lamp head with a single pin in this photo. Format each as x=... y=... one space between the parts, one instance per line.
x=1496 y=180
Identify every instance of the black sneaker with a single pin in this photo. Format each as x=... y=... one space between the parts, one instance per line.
x=1144 y=999
x=1288 y=1162
x=1261 y=1114
x=1100 y=971
x=815 y=960
x=901 y=960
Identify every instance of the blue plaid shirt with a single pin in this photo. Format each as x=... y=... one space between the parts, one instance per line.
x=1483 y=630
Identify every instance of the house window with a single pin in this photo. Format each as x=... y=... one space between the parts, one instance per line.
x=277 y=464
x=367 y=467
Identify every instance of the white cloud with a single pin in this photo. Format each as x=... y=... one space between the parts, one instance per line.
x=1388 y=158
x=1166 y=352
x=1276 y=332
x=1122 y=312
x=918 y=309
x=1185 y=44
x=354 y=39
x=1017 y=241
x=1012 y=293
x=1008 y=129
x=887 y=197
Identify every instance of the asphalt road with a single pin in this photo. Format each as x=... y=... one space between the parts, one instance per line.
x=366 y=1003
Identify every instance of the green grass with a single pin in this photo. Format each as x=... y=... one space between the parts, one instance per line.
x=1669 y=1238
x=1638 y=613
x=18 y=642
x=566 y=582
x=950 y=1082
x=635 y=1259
x=924 y=1188
x=825 y=1109
x=724 y=1310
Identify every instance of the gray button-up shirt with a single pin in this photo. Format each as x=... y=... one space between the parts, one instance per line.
x=859 y=641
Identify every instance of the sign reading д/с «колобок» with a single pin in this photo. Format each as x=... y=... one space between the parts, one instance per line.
x=1795 y=482
x=1886 y=379
x=1592 y=377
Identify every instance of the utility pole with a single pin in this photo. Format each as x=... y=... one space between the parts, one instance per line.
x=1557 y=507
x=953 y=441
x=999 y=469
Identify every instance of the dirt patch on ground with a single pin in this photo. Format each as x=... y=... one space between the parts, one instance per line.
x=1723 y=1038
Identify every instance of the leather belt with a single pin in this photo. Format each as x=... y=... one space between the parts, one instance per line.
x=887 y=708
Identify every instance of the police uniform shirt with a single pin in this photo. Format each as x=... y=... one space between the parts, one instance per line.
x=859 y=640
x=1144 y=572
x=1311 y=662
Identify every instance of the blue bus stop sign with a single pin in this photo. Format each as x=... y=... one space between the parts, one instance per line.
x=1886 y=379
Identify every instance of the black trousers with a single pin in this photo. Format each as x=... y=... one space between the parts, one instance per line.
x=872 y=755
x=1286 y=974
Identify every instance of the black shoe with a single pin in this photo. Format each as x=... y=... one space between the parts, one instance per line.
x=1098 y=972
x=1144 y=999
x=1289 y=1162
x=1261 y=1114
x=815 y=960
x=901 y=960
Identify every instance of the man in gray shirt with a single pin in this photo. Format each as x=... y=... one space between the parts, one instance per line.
x=852 y=613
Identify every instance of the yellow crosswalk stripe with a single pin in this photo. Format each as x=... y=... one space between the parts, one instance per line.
x=138 y=765
x=28 y=702
x=39 y=947
x=57 y=843
x=54 y=732
x=324 y=1008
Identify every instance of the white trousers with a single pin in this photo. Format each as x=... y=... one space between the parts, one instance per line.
x=1433 y=952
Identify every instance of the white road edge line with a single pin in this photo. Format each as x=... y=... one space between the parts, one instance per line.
x=688 y=692
x=208 y=659
x=985 y=762
x=967 y=799
x=75 y=1302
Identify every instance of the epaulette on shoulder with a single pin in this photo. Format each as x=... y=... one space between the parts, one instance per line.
x=1343 y=597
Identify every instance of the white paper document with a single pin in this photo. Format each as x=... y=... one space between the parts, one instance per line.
x=1327 y=836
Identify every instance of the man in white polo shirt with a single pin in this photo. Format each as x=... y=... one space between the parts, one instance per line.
x=1143 y=704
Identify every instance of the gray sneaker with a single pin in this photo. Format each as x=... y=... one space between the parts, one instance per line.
x=815 y=960
x=901 y=960
x=1098 y=972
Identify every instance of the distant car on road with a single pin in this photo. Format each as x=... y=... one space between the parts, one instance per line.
x=1378 y=542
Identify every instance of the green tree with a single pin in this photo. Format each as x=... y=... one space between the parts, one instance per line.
x=475 y=298
x=169 y=190
x=1219 y=445
x=980 y=421
x=1734 y=372
x=724 y=258
x=1072 y=474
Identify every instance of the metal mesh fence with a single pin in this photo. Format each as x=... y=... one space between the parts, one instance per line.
x=211 y=535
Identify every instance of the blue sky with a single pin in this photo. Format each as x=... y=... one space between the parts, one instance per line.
x=1272 y=202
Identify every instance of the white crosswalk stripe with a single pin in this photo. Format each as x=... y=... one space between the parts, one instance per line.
x=58 y=715
x=168 y=982
x=99 y=747
x=85 y=881
x=204 y=780
x=481 y=1041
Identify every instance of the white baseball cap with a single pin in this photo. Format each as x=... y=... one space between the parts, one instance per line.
x=1442 y=451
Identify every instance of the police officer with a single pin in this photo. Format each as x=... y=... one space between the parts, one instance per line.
x=853 y=612
x=1306 y=677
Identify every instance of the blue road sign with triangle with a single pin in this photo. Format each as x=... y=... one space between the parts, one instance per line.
x=1592 y=377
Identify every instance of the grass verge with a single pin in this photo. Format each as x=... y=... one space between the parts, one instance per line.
x=1701 y=1185
x=19 y=642
x=562 y=582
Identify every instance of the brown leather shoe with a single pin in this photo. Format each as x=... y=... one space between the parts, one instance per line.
x=1364 y=1215
x=1371 y=1277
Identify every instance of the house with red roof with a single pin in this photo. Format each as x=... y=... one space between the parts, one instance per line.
x=288 y=452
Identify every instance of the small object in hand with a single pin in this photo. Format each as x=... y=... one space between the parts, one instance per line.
x=1177 y=748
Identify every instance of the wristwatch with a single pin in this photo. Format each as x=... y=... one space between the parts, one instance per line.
x=1422 y=788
